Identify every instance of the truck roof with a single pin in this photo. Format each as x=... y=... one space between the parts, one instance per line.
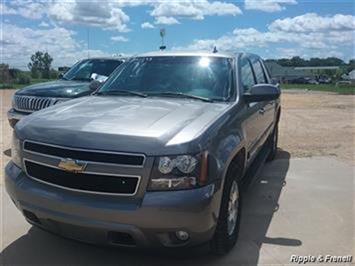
x=107 y=58
x=187 y=53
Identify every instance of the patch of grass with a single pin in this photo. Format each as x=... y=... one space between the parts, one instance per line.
x=20 y=86
x=341 y=88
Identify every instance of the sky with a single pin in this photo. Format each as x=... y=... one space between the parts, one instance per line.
x=72 y=30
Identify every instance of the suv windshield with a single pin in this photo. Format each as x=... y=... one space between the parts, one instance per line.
x=85 y=68
x=196 y=77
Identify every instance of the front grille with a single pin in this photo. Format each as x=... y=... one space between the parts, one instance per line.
x=31 y=103
x=85 y=155
x=86 y=182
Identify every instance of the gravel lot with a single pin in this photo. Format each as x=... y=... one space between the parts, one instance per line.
x=312 y=124
x=318 y=124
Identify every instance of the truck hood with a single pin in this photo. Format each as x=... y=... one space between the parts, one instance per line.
x=59 y=88
x=133 y=124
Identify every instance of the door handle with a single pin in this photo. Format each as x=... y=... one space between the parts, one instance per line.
x=261 y=111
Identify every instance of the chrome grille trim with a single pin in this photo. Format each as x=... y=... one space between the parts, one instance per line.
x=85 y=150
x=85 y=172
x=30 y=104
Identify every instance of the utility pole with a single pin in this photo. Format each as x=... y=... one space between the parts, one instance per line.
x=88 y=41
x=162 y=35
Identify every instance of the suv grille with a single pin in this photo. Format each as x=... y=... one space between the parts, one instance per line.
x=31 y=103
x=85 y=155
x=86 y=182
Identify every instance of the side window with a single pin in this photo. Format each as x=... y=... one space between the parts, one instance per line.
x=247 y=75
x=259 y=72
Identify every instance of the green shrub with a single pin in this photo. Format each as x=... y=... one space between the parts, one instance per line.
x=23 y=79
x=14 y=72
x=54 y=74
x=34 y=73
x=45 y=74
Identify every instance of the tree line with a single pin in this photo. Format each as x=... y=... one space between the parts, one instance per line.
x=297 y=61
x=40 y=67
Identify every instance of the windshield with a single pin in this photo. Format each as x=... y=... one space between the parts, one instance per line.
x=84 y=69
x=174 y=76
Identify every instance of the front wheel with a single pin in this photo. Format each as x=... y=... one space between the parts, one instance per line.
x=227 y=229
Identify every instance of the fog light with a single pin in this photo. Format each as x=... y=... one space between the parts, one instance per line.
x=182 y=235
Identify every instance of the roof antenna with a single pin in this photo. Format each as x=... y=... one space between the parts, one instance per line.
x=215 y=50
x=162 y=35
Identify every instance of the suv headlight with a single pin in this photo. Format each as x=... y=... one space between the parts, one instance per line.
x=179 y=172
x=61 y=100
x=13 y=102
x=16 y=150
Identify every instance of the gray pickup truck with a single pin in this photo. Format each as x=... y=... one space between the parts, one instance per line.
x=154 y=158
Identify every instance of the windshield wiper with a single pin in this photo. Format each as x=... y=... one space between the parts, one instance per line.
x=181 y=94
x=120 y=92
x=81 y=79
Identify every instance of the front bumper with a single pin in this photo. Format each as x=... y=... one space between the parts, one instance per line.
x=14 y=116
x=101 y=219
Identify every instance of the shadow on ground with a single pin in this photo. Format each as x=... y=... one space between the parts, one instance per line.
x=7 y=152
x=260 y=202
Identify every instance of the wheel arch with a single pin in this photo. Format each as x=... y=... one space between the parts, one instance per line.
x=239 y=157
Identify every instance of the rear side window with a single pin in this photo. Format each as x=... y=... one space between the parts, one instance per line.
x=259 y=72
x=247 y=76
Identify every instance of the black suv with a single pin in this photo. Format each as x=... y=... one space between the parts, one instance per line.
x=80 y=80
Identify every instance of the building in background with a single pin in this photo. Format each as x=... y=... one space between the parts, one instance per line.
x=309 y=75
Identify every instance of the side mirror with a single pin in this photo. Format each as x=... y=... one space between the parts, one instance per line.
x=262 y=92
x=95 y=84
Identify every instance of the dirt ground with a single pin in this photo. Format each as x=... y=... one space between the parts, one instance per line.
x=318 y=124
x=312 y=124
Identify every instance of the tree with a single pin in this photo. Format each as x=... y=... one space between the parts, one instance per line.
x=4 y=73
x=333 y=61
x=297 y=61
x=40 y=64
x=47 y=61
x=351 y=65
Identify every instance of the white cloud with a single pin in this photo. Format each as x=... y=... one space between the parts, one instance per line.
x=312 y=22
x=59 y=42
x=104 y=14
x=267 y=5
x=119 y=39
x=109 y=14
x=43 y=24
x=147 y=25
x=194 y=9
x=27 y=9
x=325 y=38
x=166 y=20
x=288 y=52
x=6 y=10
x=100 y=14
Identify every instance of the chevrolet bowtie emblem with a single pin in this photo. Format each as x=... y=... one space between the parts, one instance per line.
x=70 y=165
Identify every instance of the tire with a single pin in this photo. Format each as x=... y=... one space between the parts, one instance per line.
x=272 y=143
x=226 y=234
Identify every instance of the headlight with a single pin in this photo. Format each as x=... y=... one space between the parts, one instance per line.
x=13 y=102
x=179 y=172
x=15 y=151
x=58 y=101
